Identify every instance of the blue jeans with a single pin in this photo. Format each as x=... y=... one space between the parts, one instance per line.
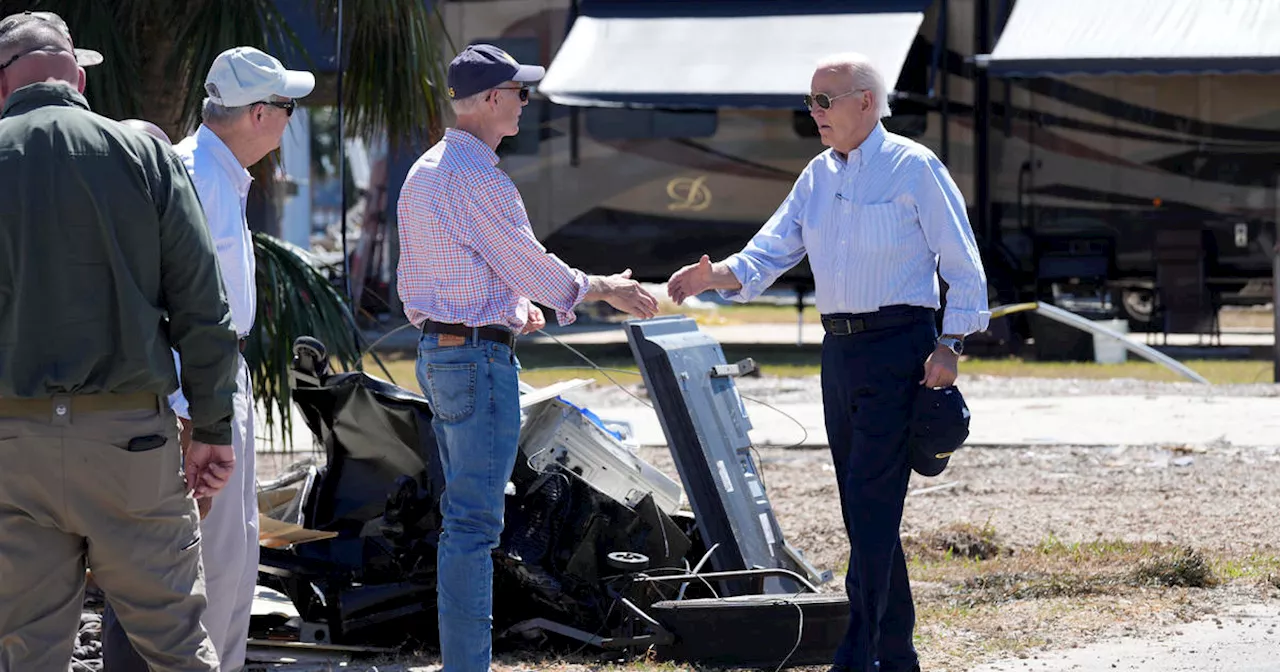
x=869 y=381
x=475 y=399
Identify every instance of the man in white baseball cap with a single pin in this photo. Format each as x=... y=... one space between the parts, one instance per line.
x=251 y=97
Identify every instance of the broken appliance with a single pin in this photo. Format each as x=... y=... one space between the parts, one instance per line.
x=599 y=547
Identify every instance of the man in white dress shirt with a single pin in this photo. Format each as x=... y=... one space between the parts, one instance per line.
x=878 y=216
x=251 y=97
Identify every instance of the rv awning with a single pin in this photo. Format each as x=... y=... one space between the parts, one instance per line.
x=1058 y=37
x=706 y=54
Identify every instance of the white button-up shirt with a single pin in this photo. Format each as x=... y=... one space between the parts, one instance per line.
x=878 y=227
x=223 y=186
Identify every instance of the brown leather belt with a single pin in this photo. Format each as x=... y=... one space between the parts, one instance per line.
x=79 y=403
x=484 y=333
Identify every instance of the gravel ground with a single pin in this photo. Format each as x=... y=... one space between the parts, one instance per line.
x=778 y=390
x=1220 y=500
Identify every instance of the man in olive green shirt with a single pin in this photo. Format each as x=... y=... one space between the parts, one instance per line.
x=105 y=264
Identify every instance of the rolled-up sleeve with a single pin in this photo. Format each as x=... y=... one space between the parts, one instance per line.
x=503 y=237
x=774 y=250
x=940 y=207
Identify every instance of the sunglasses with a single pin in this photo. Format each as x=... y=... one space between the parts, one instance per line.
x=286 y=105
x=824 y=101
x=524 y=91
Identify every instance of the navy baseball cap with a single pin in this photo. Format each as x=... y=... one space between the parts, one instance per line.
x=481 y=67
x=939 y=426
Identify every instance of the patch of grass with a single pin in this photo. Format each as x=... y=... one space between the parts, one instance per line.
x=544 y=367
x=1185 y=567
x=1254 y=566
x=977 y=569
x=957 y=540
x=1001 y=587
x=1220 y=372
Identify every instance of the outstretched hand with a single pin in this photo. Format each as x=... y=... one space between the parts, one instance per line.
x=625 y=294
x=691 y=280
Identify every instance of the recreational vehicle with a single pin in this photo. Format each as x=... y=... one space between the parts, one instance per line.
x=1118 y=158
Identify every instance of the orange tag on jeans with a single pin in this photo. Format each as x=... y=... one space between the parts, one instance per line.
x=450 y=340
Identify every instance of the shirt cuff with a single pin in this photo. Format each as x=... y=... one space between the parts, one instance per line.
x=964 y=322
x=177 y=400
x=566 y=317
x=748 y=291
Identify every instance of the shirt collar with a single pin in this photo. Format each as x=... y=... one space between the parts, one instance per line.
x=43 y=94
x=471 y=144
x=225 y=157
x=869 y=147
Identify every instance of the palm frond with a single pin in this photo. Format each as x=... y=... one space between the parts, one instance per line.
x=294 y=299
x=111 y=27
x=206 y=29
x=394 y=79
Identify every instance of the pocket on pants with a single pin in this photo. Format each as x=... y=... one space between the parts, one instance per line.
x=153 y=475
x=452 y=390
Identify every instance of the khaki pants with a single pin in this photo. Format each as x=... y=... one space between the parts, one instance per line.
x=72 y=493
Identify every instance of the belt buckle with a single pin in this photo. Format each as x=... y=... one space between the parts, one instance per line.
x=857 y=326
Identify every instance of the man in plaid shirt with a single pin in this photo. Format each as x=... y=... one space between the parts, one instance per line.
x=469 y=267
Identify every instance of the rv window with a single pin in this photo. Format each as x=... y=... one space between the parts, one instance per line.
x=907 y=125
x=804 y=124
x=536 y=113
x=910 y=125
x=607 y=123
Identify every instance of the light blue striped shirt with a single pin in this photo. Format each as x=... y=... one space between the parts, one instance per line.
x=878 y=228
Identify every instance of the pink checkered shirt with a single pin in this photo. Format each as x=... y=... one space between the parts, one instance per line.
x=467 y=251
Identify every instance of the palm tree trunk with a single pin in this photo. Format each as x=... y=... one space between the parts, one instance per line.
x=159 y=99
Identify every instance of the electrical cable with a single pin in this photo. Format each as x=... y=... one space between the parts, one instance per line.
x=603 y=371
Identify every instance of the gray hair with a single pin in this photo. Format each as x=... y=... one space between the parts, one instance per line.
x=470 y=104
x=864 y=74
x=220 y=115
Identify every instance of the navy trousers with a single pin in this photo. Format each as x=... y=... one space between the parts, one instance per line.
x=869 y=381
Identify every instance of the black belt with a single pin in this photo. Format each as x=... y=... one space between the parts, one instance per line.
x=242 y=343
x=889 y=317
x=494 y=334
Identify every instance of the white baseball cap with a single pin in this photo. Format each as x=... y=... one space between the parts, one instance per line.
x=243 y=76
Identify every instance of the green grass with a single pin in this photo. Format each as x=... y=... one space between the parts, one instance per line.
x=758 y=313
x=542 y=368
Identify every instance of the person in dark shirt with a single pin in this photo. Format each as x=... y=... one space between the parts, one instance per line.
x=105 y=265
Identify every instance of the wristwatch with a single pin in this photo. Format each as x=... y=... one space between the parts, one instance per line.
x=955 y=345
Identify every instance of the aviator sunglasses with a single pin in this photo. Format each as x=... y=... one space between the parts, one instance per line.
x=824 y=101
x=524 y=91
x=286 y=105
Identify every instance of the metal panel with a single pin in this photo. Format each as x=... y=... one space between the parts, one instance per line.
x=706 y=426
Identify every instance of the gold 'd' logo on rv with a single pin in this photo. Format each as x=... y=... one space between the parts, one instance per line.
x=688 y=193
